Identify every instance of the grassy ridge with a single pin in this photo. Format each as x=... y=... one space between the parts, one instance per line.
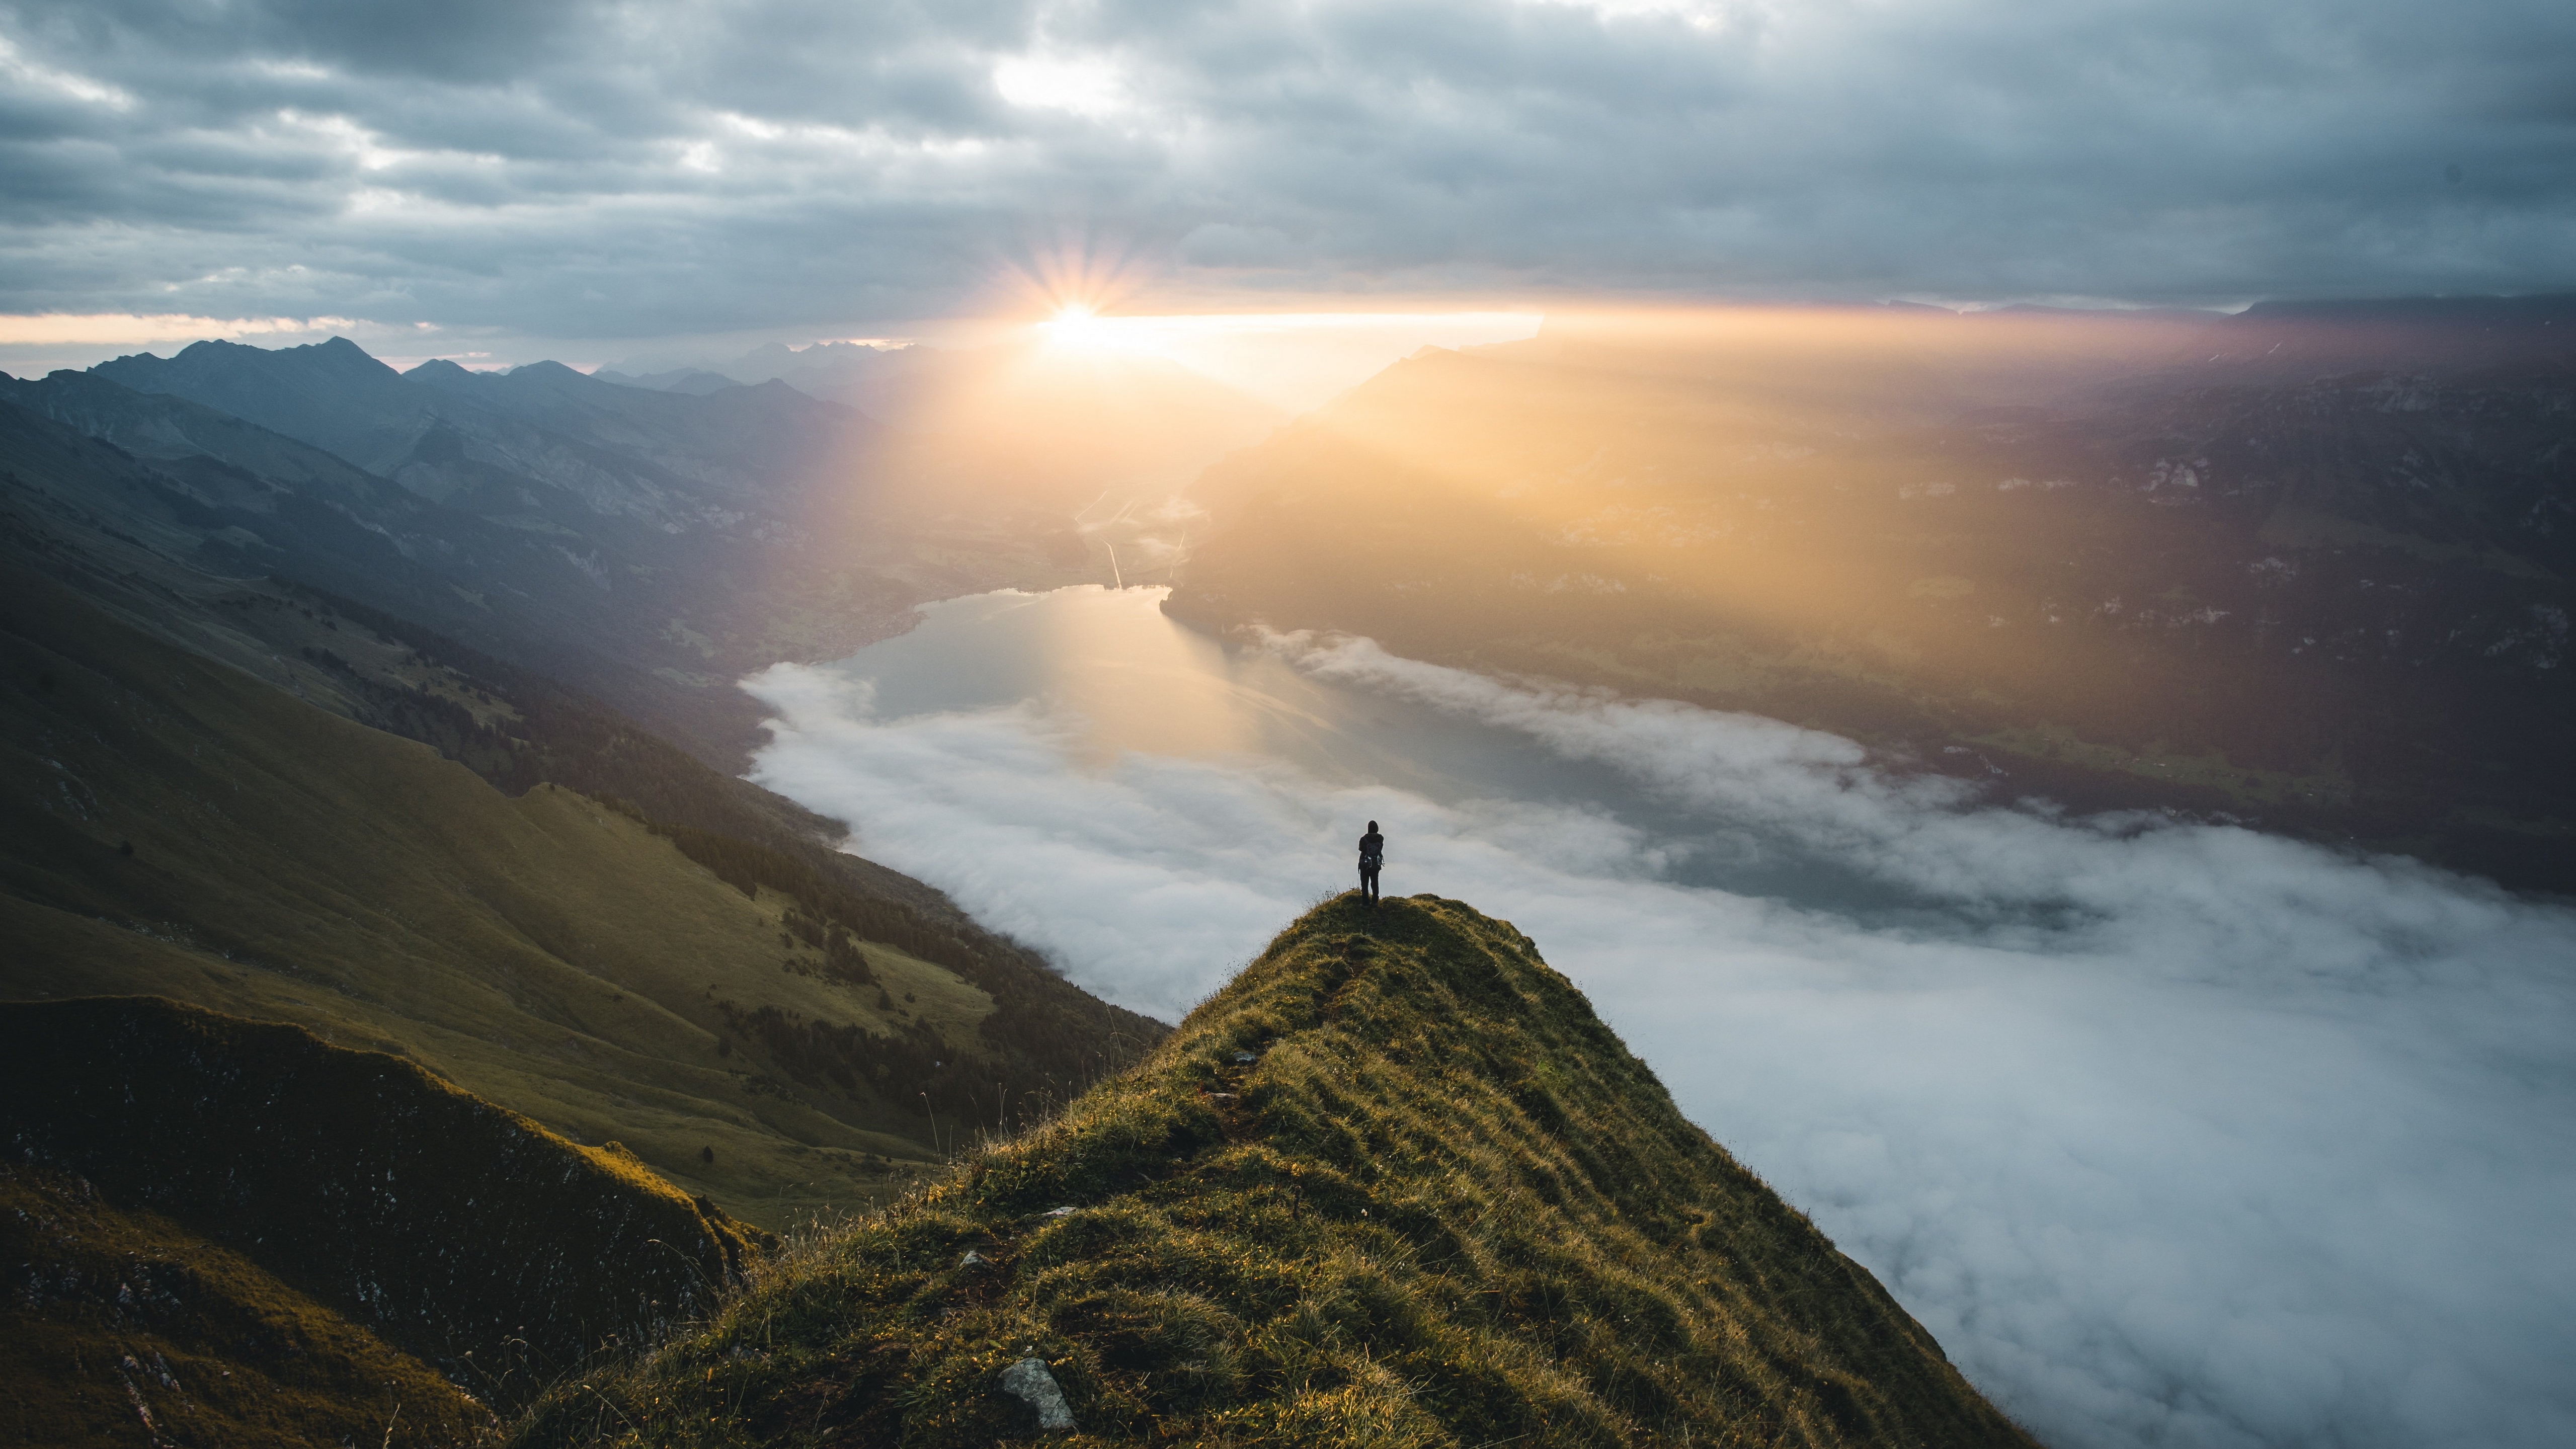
x=459 y=1231
x=1396 y=1184
x=127 y=1328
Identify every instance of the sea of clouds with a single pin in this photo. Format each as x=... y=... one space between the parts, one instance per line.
x=2173 y=1134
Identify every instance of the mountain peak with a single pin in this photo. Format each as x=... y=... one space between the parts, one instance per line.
x=343 y=349
x=442 y=371
x=548 y=369
x=331 y=363
x=768 y=354
x=337 y=354
x=1395 y=1183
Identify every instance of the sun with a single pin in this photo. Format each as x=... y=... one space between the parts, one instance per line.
x=1080 y=325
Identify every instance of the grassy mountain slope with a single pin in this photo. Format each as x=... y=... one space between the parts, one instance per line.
x=454 y=1229
x=1395 y=1184
x=519 y=730
x=128 y=532
x=127 y=1328
x=548 y=952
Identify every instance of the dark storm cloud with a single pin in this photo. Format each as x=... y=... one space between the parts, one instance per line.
x=624 y=170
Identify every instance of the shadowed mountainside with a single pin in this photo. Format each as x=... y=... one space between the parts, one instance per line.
x=455 y=1230
x=1396 y=1184
x=1080 y=420
x=124 y=1327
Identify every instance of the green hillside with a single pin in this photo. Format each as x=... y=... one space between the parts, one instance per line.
x=175 y=826
x=136 y=538
x=1396 y=1184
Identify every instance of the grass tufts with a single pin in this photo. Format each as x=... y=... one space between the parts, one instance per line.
x=1396 y=1184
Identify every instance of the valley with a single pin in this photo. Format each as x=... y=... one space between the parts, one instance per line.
x=207 y=804
x=296 y=812
x=643 y=548
x=411 y=713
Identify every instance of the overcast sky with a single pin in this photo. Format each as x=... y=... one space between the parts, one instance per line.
x=497 y=169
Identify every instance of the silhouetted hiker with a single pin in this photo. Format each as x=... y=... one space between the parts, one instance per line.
x=1372 y=855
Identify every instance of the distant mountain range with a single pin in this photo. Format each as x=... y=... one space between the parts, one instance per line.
x=2307 y=566
x=821 y=369
x=753 y=456
x=644 y=547
x=649 y=546
x=1074 y=419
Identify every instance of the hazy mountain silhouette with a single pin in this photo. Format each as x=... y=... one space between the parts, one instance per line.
x=726 y=463
x=1056 y=421
x=648 y=547
x=682 y=379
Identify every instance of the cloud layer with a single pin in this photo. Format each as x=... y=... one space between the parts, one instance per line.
x=700 y=166
x=2171 y=1134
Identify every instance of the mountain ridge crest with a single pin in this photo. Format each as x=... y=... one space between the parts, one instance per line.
x=1396 y=1184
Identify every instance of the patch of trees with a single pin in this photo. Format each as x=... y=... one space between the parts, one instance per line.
x=913 y=1069
x=835 y=907
x=843 y=961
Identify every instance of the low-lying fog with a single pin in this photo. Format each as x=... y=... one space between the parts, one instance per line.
x=2173 y=1135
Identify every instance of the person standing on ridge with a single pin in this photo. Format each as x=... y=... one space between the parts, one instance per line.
x=1372 y=855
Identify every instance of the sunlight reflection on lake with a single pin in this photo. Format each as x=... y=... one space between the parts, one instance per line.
x=1120 y=676
x=1114 y=676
